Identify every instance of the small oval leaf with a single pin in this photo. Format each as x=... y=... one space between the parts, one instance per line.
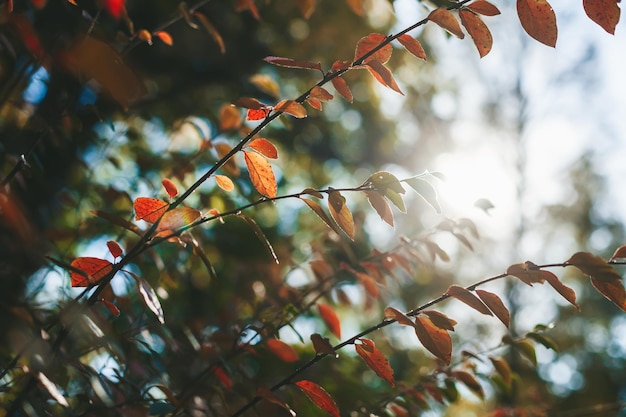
x=319 y=397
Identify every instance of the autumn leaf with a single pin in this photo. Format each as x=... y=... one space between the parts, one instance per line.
x=269 y=396
x=538 y=20
x=502 y=367
x=261 y=174
x=330 y=319
x=258 y=114
x=170 y=187
x=165 y=37
x=322 y=345
x=594 y=266
x=313 y=205
x=478 y=31
x=94 y=270
x=383 y=75
x=259 y=234
x=375 y=360
x=145 y=36
x=526 y=273
x=370 y=42
x=468 y=298
x=307 y=7
x=399 y=316
x=224 y=183
x=483 y=7
x=440 y=320
x=293 y=63
x=356 y=6
x=266 y=84
x=111 y=307
x=224 y=379
x=320 y=93
x=612 y=290
x=369 y=283
x=177 y=218
x=341 y=213
x=378 y=202
x=114 y=7
x=229 y=118
x=211 y=30
x=114 y=248
x=319 y=397
x=527 y=350
x=445 y=19
x=470 y=382
x=605 y=13
x=149 y=209
x=342 y=88
x=496 y=305
x=230 y=166
x=249 y=103
x=435 y=339
x=241 y=5
x=426 y=191
x=282 y=350
x=620 y=253
x=264 y=147
x=412 y=45
x=561 y=288
x=292 y=108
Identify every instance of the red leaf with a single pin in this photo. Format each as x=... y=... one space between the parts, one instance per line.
x=114 y=248
x=445 y=19
x=342 y=88
x=375 y=360
x=496 y=305
x=293 y=63
x=319 y=397
x=538 y=20
x=612 y=290
x=223 y=377
x=412 y=45
x=149 y=209
x=224 y=183
x=264 y=147
x=291 y=107
x=165 y=37
x=341 y=213
x=382 y=74
x=478 y=31
x=177 y=218
x=282 y=350
x=368 y=43
x=594 y=266
x=356 y=6
x=468 y=298
x=435 y=339
x=114 y=7
x=254 y=114
x=483 y=7
x=330 y=319
x=368 y=283
x=170 y=187
x=261 y=174
x=605 y=13
x=94 y=268
x=111 y=307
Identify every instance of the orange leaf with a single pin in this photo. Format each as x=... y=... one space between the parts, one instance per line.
x=230 y=166
x=342 y=88
x=538 y=20
x=145 y=36
x=320 y=93
x=612 y=290
x=114 y=248
x=483 y=7
x=149 y=209
x=368 y=43
x=605 y=13
x=170 y=187
x=412 y=45
x=594 y=266
x=496 y=305
x=440 y=320
x=562 y=289
x=224 y=183
x=261 y=174
x=165 y=37
x=177 y=218
x=94 y=268
x=229 y=117
x=264 y=147
x=382 y=74
x=291 y=107
x=471 y=382
x=212 y=30
x=341 y=213
x=368 y=283
x=266 y=84
x=307 y=7
x=293 y=63
x=356 y=6
x=258 y=114
x=330 y=319
x=315 y=103
x=241 y=5
x=445 y=19
x=435 y=339
x=478 y=31
x=282 y=350
x=313 y=205
x=378 y=202
x=399 y=316
x=468 y=298
x=375 y=360
x=319 y=397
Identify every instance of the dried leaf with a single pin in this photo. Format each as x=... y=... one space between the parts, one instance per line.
x=538 y=20
x=224 y=183
x=605 y=13
x=369 y=283
x=526 y=273
x=382 y=74
x=211 y=29
x=249 y=103
x=483 y=7
x=330 y=319
x=612 y=290
x=342 y=88
x=319 y=397
x=561 y=288
x=375 y=360
x=412 y=45
x=293 y=63
x=149 y=209
x=165 y=37
x=445 y=19
x=229 y=118
x=468 y=298
x=268 y=395
x=341 y=213
x=114 y=248
x=291 y=107
x=170 y=187
x=496 y=305
x=435 y=339
x=282 y=350
x=111 y=307
x=261 y=174
x=322 y=345
x=264 y=147
x=177 y=218
x=470 y=382
x=117 y=220
x=368 y=43
x=378 y=202
x=399 y=316
x=620 y=253
x=94 y=270
x=440 y=320
x=478 y=31
x=313 y=205
x=313 y=192
x=594 y=266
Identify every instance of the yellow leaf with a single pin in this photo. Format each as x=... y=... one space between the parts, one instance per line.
x=261 y=174
x=340 y=212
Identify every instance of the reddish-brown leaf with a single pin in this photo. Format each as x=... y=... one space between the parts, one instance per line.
x=268 y=395
x=341 y=213
x=149 y=209
x=483 y=7
x=224 y=183
x=526 y=273
x=605 y=13
x=264 y=147
x=315 y=103
x=445 y=19
x=94 y=268
x=435 y=339
x=114 y=248
x=468 y=298
x=478 y=31
x=357 y=6
x=368 y=43
x=342 y=88
x=369 y=283
x=412 y=45
x=293 y=63
x=440 y=320
x=613 y=291
x=319 y=397
x=170 y=187
x=594 y=266
x=165 y=37
x=261 y=174
x=258 y=114
x=249 y=103
x=229 y=117
x=496 y=305
x=291 y=107
x=382 y=74
x=561 y=288
x=470 y=382
x=538 y=20
x=620 y=253
x=313 y=205
x=375 y=360
x=320 y=93
x=212 y=30
x=399 y=316
x=282 y=350
x=241 y=5
x=230 y=166
x=322 y=345
x=178 y=217
x=330 y=319
x=378 y=202
x=111 y=307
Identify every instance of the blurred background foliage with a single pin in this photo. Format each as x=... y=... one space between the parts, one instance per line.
x=88 y=149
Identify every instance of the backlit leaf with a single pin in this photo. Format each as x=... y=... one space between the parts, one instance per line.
x=342 y=88
x=378 y=202
x=375 y=360
x=259 y=234
x=445 y=19
x=224 y=183
x=165 y=37
x=483 y=7
x=320 y=93
x=399 y=316
x=117 y=220
x=149 y=209
x=229 y=166
x=412 y=45
x=620 y=253
x=266 y=84
x=322 y=345
x=341 y=213
x=435 y=339
x=94 y=268
x=369 y=283
x=145 y=36
x=561 y=288
x=114 y=248
x=313 y=205
x=470 y=382
x=538 y=20
x=282 y=350
x=211 y=29
x=293 y=63
x=594 y=266
x=440 y=320
x=264 y=147
x=259 y=114
x=177 y=218
x=503 y=368
x=111 y=307
x=330 y=319
x=382 y=74
x=229 y=117
x=313 y=192
x=478 y=31
x=170 y=187
x=319 y=397
x=383 y=181
x=426 y=191
x=605 y=13
x=526 y=273
x=496 y=305
x=315 y=103
x=149 y=297
x=468 y=298
x=261 y=174
x=484 y=204
x=368 y=43
x=291 y=107
x=612 y=290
